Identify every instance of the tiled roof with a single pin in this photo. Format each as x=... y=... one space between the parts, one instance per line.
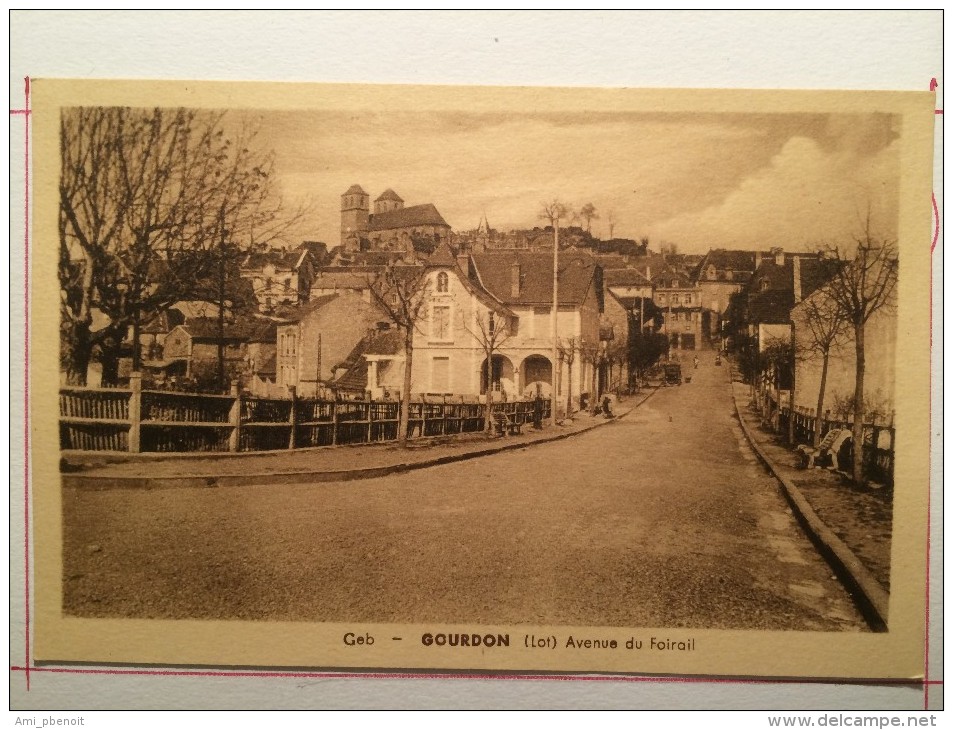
x=415 y=215
x=355 y=190
x=206 y=328
x=389 y=194
x=443 y=256
x=379 y=342
x=770 y=307
x=386 y=342
x=625 y=277
x=576 y=277
x=296 y=314
x=164 y=322
x=287 y=260
x=344 y=278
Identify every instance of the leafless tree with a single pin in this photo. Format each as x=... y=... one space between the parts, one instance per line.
x=863 y=285
x=490 y=330
x=401 y=294
x=824 y=329
x=610 y=219
x=147 y=196
x=568 y=349
x=589 y=214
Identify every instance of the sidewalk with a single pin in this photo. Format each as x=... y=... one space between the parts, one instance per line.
x=852 y=526
x=329 y=463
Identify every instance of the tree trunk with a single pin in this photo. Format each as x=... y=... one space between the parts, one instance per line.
x=488 y=383
x=78 y=350
x=857 y=432
x=820 y=400
x=568 y=389
x=402 y=427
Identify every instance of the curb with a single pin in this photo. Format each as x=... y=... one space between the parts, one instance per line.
x=292 y=477
x=870 y=597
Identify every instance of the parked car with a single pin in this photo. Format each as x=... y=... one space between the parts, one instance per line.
x=673 y=373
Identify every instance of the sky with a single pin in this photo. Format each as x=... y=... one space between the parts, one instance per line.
x=698 y=181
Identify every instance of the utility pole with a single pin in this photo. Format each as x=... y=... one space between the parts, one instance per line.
x=552 y=395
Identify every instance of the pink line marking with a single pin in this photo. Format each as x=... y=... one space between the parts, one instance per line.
x=20 y=111
x=26 y=371
x=936 y=225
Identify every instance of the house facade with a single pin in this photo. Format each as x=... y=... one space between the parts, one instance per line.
x=505 y=298
x=315 y=337
x=279 y=278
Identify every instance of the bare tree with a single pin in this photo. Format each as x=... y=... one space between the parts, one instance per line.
x=588 y=212
x=824 y=329
x=861 y=287
x=567 y=354
x=610 y=219
x=490 y=330
x=146 y=197
x=555 y=211
x=401 y=294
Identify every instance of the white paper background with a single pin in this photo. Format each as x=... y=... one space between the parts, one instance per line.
x=776 y=49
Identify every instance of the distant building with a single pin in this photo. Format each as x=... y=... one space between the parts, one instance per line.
x=392 y=226
x=279 y=277
x=317 y=336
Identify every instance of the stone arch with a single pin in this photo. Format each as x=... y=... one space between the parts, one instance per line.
x=536 y=375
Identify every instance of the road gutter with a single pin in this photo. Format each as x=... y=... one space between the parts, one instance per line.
x=869 y=596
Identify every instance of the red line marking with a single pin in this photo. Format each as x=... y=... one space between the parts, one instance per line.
x=26 y=372
x=937 y=111
x=20 y=111
x=936 y=225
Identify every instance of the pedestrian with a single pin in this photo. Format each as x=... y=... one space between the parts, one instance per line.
x=606 y=410
x=695 y=359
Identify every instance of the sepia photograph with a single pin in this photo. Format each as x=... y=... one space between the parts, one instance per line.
x=509 y=379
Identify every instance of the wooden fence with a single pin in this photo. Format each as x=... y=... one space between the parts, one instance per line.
x=134 y=420
x=879 y=437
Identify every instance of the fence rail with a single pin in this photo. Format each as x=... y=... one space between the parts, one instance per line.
x=136 y=420
x=879 y=437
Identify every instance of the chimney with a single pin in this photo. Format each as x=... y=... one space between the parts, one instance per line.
x=515 y=283
x=796 y=263
x=463 y=261
x=757 y=260
x=778 y=254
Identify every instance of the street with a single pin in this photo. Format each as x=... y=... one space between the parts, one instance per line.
x=664 y=518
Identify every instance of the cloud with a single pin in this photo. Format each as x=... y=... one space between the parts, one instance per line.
x=803 y=197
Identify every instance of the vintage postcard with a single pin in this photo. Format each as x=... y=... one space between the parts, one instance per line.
x=481 y=379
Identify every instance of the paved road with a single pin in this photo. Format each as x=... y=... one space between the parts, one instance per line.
x=663 y=518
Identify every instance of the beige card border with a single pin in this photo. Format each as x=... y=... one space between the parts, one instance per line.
x=896 y=654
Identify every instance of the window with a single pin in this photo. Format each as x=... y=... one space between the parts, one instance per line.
x=491 y=323
x=542 y=322
x=440 y=375
x=440 y=323
x=443 y=282
x=675 y=299
x=688 y=299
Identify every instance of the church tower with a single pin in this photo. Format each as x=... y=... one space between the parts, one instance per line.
x=388 y=201
x=355 y=214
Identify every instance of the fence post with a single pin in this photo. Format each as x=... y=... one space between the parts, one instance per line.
x=423 y=414
x=235 y=417
x=135 y=412
x=370 y=418
x=443 y=411
x=334 y=419
x=293 y=416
